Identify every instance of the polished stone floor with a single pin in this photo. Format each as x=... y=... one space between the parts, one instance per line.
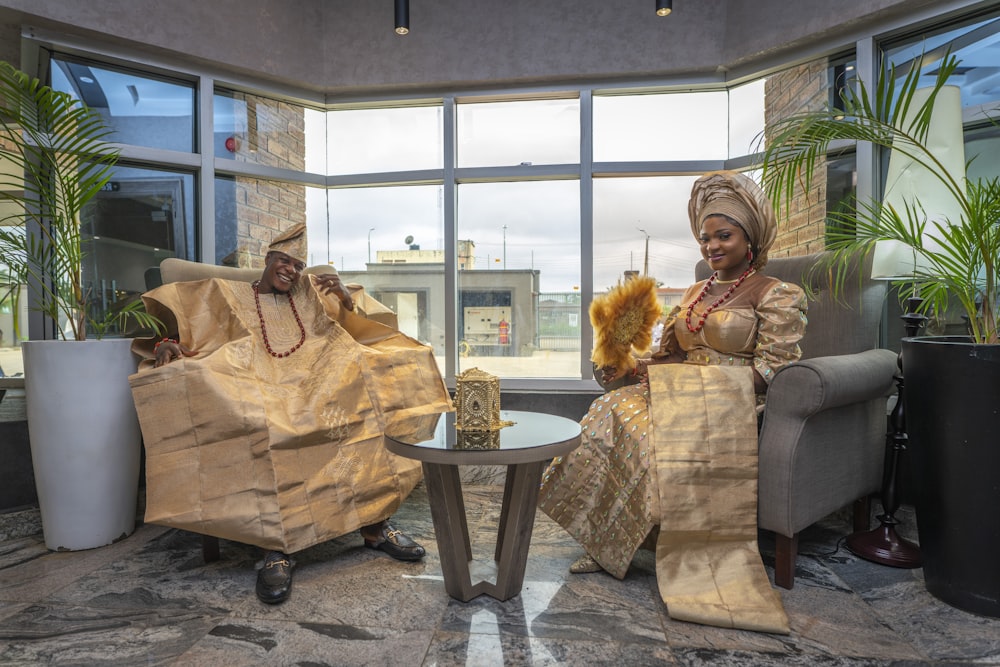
x=151 y=600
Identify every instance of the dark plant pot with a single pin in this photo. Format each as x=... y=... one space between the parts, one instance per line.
x=953 y=417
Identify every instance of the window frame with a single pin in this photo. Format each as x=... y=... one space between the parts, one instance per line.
x=865 y=42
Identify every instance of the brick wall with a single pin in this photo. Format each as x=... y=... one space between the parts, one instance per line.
x=275 y=137
x=802 y=220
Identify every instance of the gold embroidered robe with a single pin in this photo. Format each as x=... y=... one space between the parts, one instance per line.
x=283 y=453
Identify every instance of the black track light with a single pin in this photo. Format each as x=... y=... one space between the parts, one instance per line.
x=402 y=17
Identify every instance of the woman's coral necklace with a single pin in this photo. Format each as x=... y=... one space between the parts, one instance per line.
x=263 y=329
x=715 y=304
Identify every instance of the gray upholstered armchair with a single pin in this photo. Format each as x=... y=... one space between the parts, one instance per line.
x=822 y=440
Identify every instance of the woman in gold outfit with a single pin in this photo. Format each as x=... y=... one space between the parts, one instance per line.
x=623 y=481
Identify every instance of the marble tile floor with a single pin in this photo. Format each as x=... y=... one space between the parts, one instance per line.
x=151 y=600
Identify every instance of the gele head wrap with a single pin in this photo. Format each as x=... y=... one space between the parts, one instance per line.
x=737 y=197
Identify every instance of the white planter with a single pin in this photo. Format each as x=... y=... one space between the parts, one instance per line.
x=85 y=439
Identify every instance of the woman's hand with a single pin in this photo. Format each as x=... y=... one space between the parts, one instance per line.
x=167 y=350
x=329 y=283
x=609 y=374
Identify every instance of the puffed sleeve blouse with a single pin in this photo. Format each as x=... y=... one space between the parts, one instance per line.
x=760 y=324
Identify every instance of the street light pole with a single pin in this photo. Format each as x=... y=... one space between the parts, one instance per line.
x=645 y=261
x=505 y=247
x=370 y=244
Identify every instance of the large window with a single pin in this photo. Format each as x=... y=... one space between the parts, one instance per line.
x=536 y=199
x=641 y=225
x=265 y=131
x=520 y=257
x=672 y=126
x=535 y=203
x=746 y=118
x=141 y=217
x=391 y=241
x=522 y=133
x=146 y=212
x=370 y=182
x=364 y=141
x=977 y=47
x=976 y=44
x=142 y=109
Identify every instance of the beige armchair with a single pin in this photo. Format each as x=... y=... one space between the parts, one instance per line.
x=172 y=270
x=822 y=440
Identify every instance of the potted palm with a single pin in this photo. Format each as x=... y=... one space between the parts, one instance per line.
x=85 y=441
x=952 y=385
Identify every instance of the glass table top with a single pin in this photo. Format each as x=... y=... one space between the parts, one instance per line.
x=532 y=436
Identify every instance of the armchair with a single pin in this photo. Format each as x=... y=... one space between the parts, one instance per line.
x=822 y=439
x=173 y=269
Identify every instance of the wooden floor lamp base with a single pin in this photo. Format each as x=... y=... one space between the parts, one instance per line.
x=884 y=546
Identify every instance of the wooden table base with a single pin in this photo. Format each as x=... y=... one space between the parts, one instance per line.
x=517 y=518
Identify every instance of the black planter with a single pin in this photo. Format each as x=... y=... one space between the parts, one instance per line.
x=953 y=420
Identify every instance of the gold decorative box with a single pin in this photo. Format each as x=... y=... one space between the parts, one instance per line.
x=478 y=439
x=477 y=401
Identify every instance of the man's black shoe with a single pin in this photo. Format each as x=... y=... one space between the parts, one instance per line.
x=393 y=542
x=274 y=579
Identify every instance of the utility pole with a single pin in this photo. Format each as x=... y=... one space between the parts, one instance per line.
x=645 y=261
x=370 y=244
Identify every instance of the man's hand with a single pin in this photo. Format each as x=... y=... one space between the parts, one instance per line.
x=329 y=283
x=168 y=350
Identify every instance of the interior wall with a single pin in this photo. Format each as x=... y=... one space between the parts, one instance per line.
x=348 y=47
x=10 y=41
x=762 y=30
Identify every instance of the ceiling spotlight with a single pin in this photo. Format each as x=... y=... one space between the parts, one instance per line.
x=664 y=7
x=402 y=17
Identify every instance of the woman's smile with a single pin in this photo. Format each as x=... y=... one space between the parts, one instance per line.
x=724 y=246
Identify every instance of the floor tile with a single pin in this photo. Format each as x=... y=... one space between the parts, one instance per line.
x=151 y=599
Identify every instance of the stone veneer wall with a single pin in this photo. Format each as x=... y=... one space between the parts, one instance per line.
x=802 y=222
x=275 y=137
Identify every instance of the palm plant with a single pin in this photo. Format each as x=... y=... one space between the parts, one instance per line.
x=55 y=160
x=954 y=259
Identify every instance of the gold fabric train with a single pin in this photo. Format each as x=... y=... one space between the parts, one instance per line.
x=708 y=567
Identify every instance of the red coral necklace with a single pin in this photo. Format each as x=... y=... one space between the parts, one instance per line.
x=715 y=304
x=263 y=329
